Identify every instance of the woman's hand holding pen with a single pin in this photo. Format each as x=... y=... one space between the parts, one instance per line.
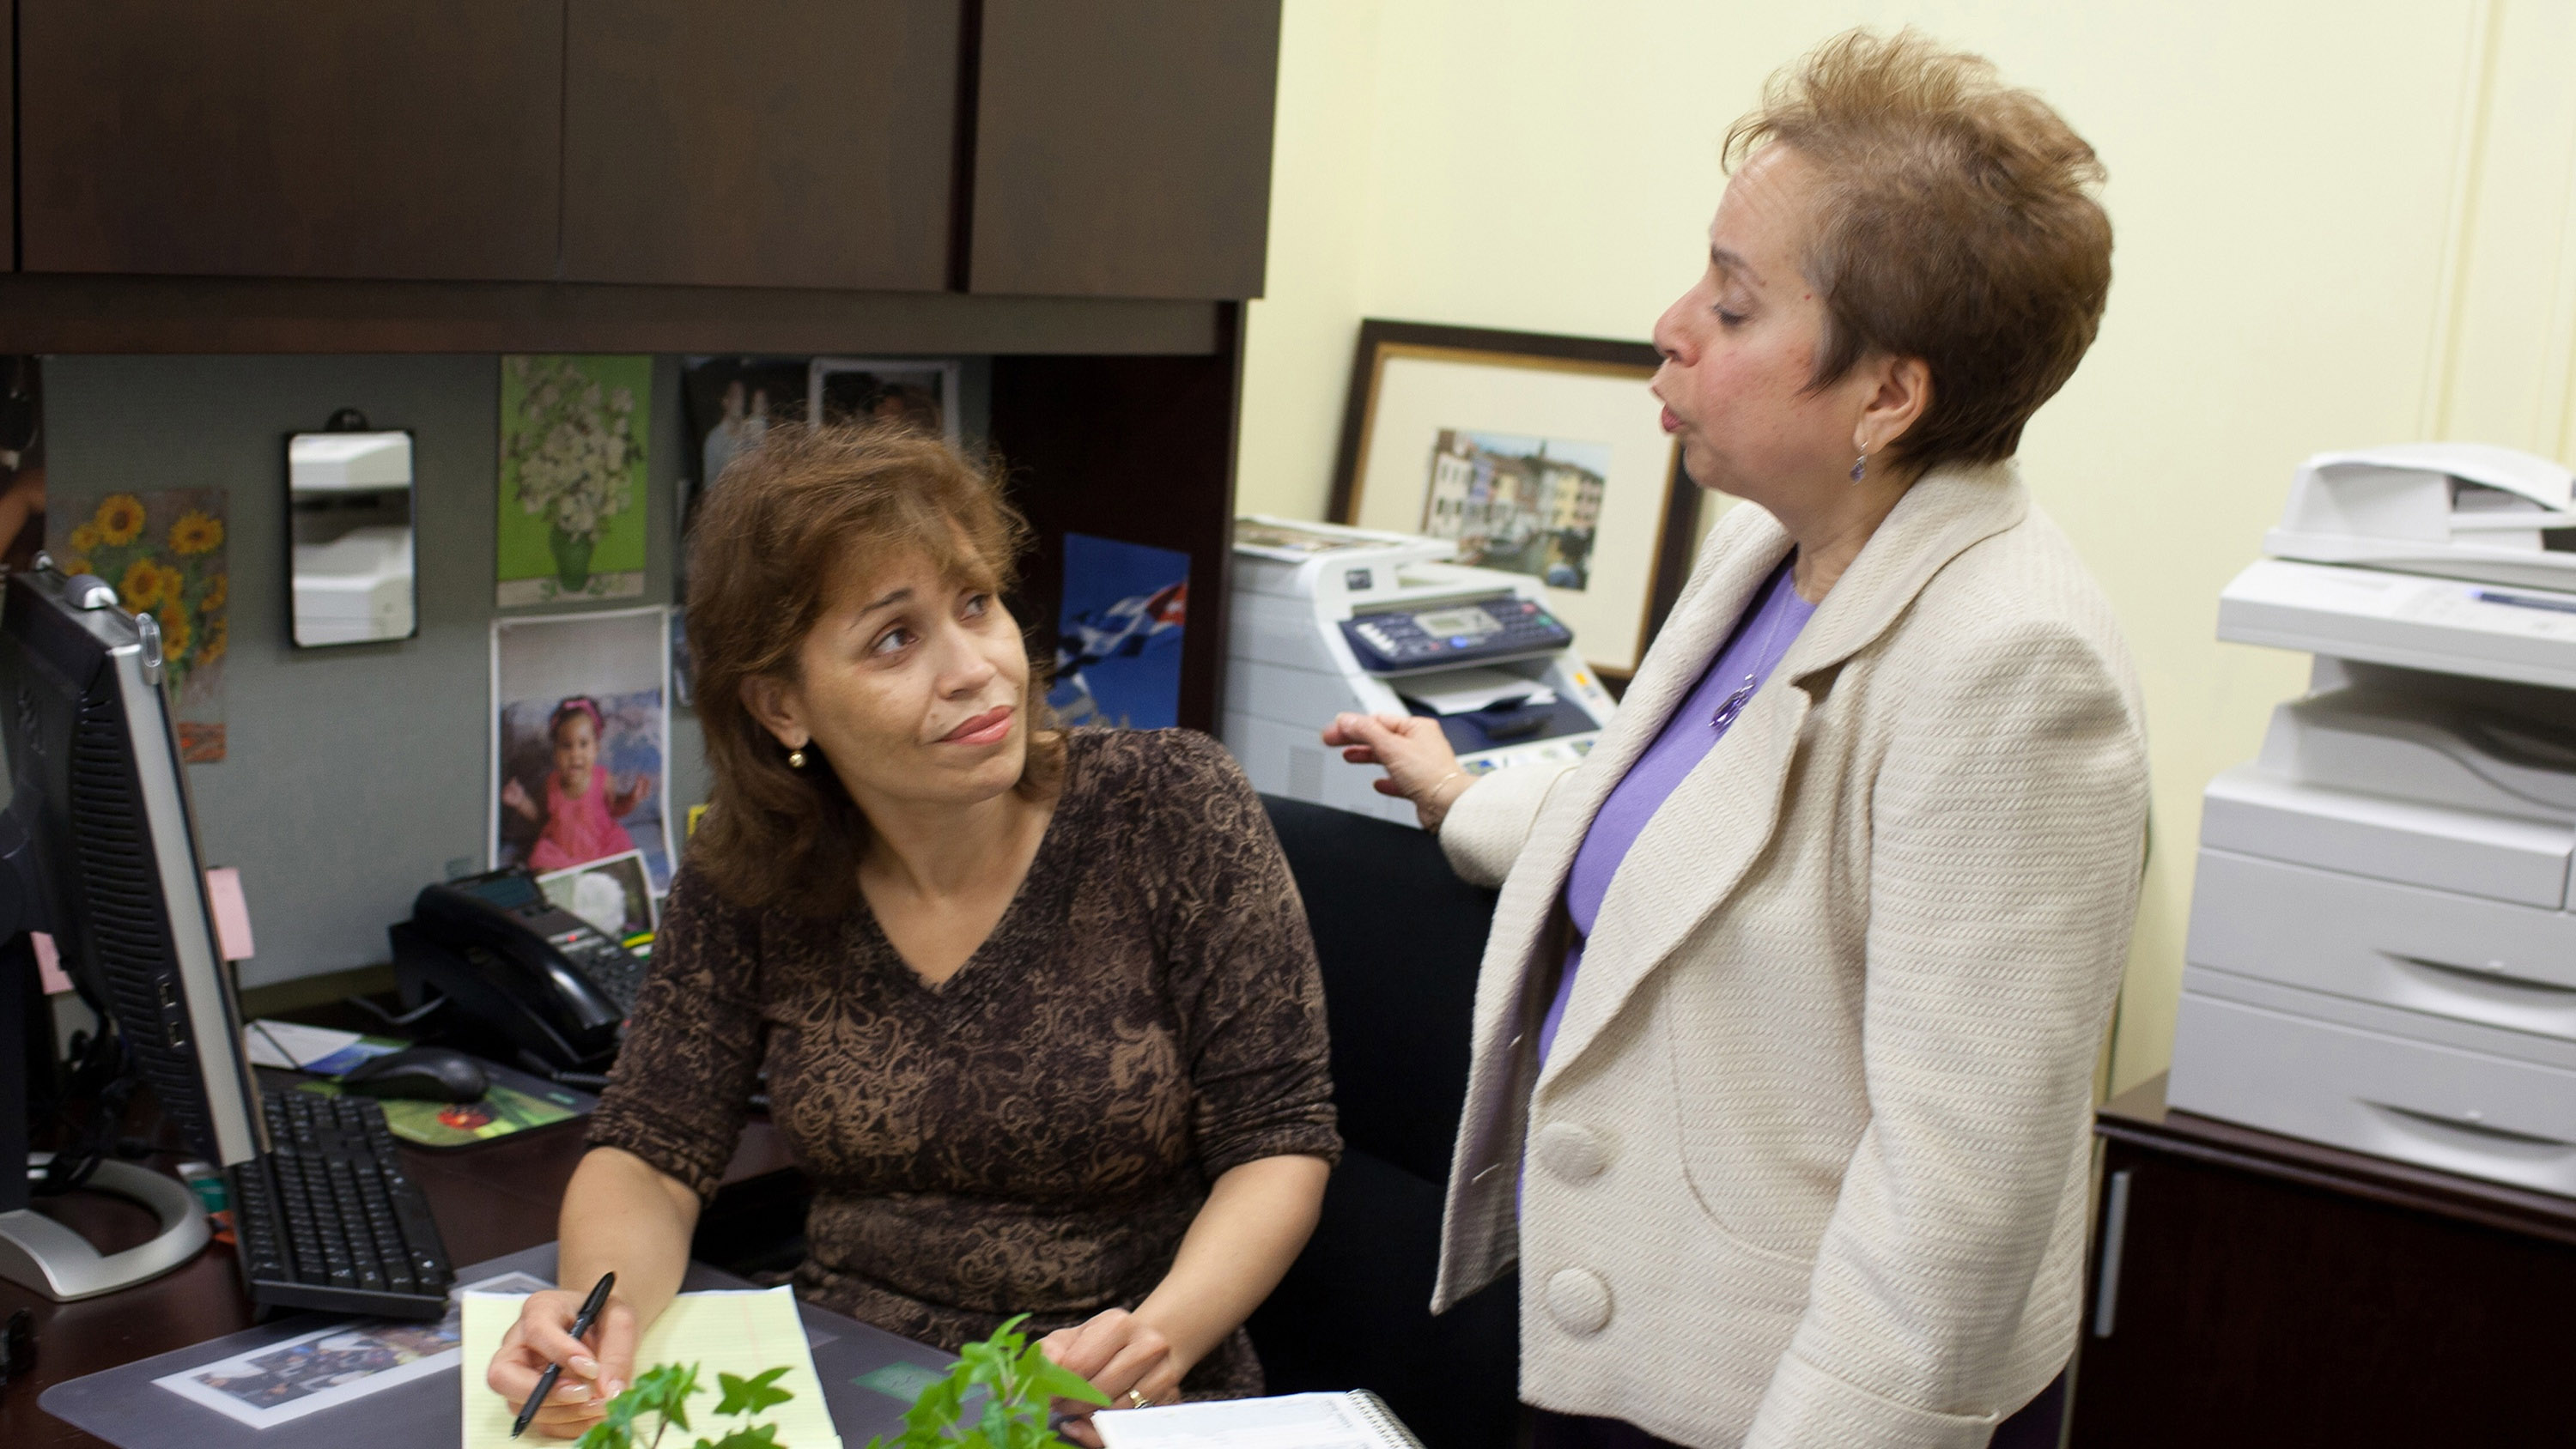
x=594 y=1370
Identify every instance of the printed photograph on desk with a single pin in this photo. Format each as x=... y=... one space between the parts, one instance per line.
x=615 y=895
x=581 y=741
x=573 y=438
x=22 y=461
x=332 y=1366
x=165 y=555
x=1118 y=634
x=1273 y=538
x=1536 y=455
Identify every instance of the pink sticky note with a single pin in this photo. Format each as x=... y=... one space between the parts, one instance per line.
x=232 y=913
x=49 y=963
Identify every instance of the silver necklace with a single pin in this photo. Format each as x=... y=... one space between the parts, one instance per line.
x=1733 y=705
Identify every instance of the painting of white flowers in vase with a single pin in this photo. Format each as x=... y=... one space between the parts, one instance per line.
x=572 y=478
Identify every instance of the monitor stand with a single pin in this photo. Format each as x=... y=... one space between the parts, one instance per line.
x=61 y=1264
x=34 y=1249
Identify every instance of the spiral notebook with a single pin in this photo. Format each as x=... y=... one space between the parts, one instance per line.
x=1355 y=1420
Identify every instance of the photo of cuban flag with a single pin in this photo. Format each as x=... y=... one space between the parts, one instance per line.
x=1118 y=634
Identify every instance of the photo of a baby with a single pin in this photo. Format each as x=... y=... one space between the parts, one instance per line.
x=579 y=733
x=576 y=821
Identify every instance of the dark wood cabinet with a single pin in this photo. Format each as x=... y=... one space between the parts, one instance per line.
x=1007 y=148
x=2253 y=1289
x=280 y=138
x=1139 y=449
x=802 y=143
x=9 y=144
x=1123 y=150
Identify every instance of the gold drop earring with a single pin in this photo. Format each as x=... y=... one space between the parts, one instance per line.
x=796 y=758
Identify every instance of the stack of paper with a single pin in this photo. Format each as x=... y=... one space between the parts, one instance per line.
x=292 y=1046
x=741 y=1333
x=1355 y=1420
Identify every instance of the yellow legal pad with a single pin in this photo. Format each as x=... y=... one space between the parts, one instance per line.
x=744 y=1333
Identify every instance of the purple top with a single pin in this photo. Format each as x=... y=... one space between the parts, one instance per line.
x=1747 y=658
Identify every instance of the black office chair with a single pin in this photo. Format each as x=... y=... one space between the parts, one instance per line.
x=1400 y=938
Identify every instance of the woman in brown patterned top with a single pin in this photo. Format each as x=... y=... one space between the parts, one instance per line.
x=1039 y=1011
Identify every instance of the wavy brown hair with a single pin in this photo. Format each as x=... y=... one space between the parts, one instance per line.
x=790 y=525
x=1957 y=225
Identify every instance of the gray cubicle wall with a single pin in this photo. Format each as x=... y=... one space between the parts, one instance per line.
x=354 y=775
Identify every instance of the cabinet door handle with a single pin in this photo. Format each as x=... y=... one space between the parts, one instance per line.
x=2115 y=1236
x=2479 y=1135
x=2493 y=974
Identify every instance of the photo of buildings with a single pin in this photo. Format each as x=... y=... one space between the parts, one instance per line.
x=1529 y=505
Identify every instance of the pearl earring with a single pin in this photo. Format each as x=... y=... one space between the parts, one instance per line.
x=1860 y=466
x=796 y=758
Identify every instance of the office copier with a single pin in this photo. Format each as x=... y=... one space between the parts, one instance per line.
x=1323 y=618
x=2382 y=952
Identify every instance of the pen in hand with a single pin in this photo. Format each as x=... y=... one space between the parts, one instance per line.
x=581 y=1324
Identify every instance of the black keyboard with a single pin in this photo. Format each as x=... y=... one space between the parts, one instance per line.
x=329 y=1219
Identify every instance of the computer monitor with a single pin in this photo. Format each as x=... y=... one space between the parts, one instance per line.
x=98 y=849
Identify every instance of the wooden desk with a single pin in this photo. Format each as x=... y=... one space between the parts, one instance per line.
x=2277 y=1292
x=490 y=1199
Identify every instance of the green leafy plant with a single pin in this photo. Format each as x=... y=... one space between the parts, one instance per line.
x=663 y=1393
x=1018 y=1382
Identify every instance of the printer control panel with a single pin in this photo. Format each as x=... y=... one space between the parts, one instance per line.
x=1458 y=632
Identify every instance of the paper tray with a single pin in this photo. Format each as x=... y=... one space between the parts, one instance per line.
x=123 y=1406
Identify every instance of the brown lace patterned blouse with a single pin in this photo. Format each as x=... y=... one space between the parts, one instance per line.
x=1035 y=1133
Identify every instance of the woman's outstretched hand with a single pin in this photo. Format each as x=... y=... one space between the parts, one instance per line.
x=1122 y=1355
x=594 y=1372
x=1419 y=764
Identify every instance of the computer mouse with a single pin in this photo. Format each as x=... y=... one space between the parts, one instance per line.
x=420 y=1074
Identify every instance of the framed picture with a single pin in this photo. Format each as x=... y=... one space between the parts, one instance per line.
x=916 y=393
x=1537 y=455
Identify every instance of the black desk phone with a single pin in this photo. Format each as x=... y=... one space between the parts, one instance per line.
x=523 y=978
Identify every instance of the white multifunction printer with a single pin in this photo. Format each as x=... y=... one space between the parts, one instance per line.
x=1324 y=619
x=2382 y=954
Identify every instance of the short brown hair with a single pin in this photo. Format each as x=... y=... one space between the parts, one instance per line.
x=783 y=532
x=1958 y=225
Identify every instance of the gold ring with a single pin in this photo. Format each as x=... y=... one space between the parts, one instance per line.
x=1139 y=1401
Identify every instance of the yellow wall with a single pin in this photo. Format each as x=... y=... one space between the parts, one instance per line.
x=2338 y=224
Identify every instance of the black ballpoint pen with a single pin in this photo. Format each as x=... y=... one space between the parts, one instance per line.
x=581 y=1323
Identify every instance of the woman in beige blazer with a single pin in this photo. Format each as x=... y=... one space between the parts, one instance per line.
x=1785 y=1032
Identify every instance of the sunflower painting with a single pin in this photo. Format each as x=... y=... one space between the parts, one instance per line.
x=164 y=553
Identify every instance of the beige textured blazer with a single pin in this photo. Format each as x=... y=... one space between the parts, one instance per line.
x=1808 y=1162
